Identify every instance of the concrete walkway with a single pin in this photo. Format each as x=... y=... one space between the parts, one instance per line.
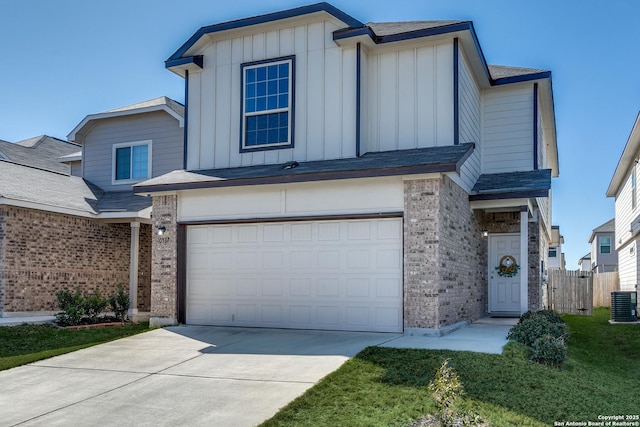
x=190 y=375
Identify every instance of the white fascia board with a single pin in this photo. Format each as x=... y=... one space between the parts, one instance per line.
x=502 y=204
x=111 y=114
x=627 y=158
x=143 y=214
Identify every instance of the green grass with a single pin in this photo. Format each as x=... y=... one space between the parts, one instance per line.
x=388 y=387
x=28 y=343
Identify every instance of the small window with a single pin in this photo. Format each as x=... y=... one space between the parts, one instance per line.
x=553 y=252
x=131 y=162
x=267 y=104
x=605 y=245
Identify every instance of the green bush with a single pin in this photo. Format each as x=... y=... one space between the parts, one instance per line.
x=549 y=350
x=545 y=333
x=120 y=304
x=534 y=326
x=72 y=306
x=94 y=305
x=88 y=307
x=550 y=315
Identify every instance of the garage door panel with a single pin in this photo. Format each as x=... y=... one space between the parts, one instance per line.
x=339 y=274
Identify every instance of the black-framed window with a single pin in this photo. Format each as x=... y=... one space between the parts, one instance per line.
x=267 y=104
x=553 y=252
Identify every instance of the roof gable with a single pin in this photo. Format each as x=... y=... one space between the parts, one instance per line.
x=161 y=103
x=627 y=159
x=181 y=56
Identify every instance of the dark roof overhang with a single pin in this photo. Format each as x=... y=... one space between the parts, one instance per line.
x=388 y=163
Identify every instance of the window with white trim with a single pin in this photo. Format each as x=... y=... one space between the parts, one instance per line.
x=605 y=245
x=131 y=162
x=553 y=252
x=267 y=104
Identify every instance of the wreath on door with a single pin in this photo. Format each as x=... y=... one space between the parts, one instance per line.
x=507 y=267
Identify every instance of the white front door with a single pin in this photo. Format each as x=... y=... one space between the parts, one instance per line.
x=504 y=289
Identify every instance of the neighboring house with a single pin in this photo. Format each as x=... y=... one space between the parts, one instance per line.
x=585 y=263
x=41 y=152
x=350 y=176
x=627 y=212
x=555 y=254
x=604 y=257
x=60 y=230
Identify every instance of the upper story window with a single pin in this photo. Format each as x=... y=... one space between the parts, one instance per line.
x=553 y=252
x=605 y=245
x=131 y=162
x=267 y=104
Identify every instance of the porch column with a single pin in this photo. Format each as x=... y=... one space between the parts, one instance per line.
x=133 y=268
x=524 y=259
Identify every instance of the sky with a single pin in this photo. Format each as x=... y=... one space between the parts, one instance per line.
x=62 y=60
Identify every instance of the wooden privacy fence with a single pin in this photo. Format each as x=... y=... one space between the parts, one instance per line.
x=570 y=292
x=603 y=285
x=577 y=292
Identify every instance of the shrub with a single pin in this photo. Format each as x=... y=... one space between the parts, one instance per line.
x=446 y=389
x=550 y=315
x=120 y=304
x=545 y=333
x=549 y=350
x=534 y=326
x=94 y=305
x=72 y=306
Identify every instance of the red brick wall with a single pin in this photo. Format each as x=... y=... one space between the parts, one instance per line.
x=45 y=252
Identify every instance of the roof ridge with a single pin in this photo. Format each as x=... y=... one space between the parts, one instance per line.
x=34 y=167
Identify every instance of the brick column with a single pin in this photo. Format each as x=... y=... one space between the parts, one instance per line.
x=164 y=309
x=421 y=246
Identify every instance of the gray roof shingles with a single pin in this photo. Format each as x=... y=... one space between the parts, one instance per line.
x=30 y=184
x=40 y=152
x=497 y=185
x=423 y=160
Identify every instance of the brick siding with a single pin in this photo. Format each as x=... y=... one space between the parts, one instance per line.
x=43 y=252
x=445 y=256
x=164 y=262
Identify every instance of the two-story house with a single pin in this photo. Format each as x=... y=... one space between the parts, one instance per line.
x=351 y=176
x=604 y=257
x=68 y=216
x=555 y=258
x=627 y=212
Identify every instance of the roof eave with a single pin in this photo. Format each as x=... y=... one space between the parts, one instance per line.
x=307 y=177
x=77 y=132
x=180 y=66
x=183 y=51
x=627 y=158
x=528 y=194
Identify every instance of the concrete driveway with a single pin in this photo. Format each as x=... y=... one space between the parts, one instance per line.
x=184 y=375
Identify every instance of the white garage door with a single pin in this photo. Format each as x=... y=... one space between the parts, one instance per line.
x=335 y=275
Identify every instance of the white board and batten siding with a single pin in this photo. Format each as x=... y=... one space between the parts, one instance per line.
x=405 y=110
x=325 y=97
x=160 y=128
x=469 y=107
x=507 y=127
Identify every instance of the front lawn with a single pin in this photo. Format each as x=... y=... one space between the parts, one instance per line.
x=388 y=387
x=27 y=343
